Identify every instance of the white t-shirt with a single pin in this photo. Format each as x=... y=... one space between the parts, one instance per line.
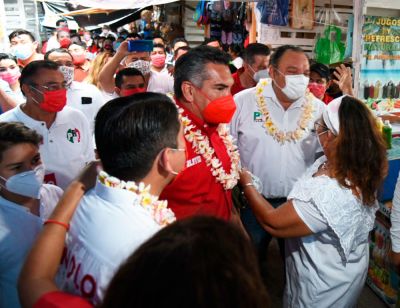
x=18 y=231
x=329 y=267
x=86 y=98
x=67 y=145
x=161 y=82
x=108 y=226
x=277 y=165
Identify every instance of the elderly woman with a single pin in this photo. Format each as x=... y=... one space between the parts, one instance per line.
x=330 y=210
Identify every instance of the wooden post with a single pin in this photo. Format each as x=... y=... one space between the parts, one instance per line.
x=253 y=28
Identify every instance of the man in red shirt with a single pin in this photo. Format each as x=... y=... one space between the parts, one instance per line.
x=202 y=94
x=255 y=65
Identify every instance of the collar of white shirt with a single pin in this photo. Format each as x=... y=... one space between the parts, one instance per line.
x=61 y=117
x=116 y=195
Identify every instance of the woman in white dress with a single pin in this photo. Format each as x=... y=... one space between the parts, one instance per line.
x=330 y=210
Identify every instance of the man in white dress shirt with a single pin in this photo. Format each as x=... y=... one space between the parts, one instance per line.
x=273 y=127
x=67 y=142
x=82 y=96
x=139 y=139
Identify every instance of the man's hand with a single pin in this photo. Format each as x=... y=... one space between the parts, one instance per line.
x=345 y=79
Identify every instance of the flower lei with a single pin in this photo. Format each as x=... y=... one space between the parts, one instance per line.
x=270 y=127
x=156 y=208
x=201 y=145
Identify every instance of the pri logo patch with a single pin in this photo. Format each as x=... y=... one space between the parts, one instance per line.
x=74 y=135
x=257 y=117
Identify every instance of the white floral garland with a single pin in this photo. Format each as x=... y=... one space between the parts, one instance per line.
x=201 y=145
x=157 y=209
x=271 y=128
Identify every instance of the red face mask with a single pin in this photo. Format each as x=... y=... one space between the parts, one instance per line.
x=128 y=92
x=317 y=89
x=65 y=42
x=220 y=110
x=79 y=59
x=53 y=101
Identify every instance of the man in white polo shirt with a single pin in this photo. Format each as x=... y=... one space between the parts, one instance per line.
x=82 y=96
x=272 y=126
x=139 y=139
x=67 y=142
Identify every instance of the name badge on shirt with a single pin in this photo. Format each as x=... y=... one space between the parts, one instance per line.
x=194 y=161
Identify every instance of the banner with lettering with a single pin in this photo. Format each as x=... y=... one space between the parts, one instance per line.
x=380 y=63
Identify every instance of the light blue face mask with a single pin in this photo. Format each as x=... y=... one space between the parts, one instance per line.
x=21 y=51
x=27 y=183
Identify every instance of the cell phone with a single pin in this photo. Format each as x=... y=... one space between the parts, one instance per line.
x=86 y=100
x=140 y=45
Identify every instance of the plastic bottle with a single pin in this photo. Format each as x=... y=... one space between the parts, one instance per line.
x=387 y=134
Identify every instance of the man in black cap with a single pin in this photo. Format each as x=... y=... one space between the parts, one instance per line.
x=321 y=79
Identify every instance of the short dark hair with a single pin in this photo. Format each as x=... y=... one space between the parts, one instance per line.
x=176 y=266
x=79 y=43
x=7 y=56
x=129 y=71
x=186 y=48
x=13 y=133
x=133 y=35
x=255 y=49
x=192 y=66
x=19 y=32
x=159 y=46
x=320 y=69
x=63 y=30
x=59 y=50
x=131 y=131
x=58 y=22
x=281 y=50
x=177 y=40
x=30 y=71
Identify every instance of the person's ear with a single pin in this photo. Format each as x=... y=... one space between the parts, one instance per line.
x=164 y=162
x=331 y=135
x=27 y=90
x=188 y=91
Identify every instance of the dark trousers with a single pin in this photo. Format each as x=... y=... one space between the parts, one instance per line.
x=259 y=236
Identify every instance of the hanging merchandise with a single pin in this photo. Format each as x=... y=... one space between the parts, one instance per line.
x=227 y=23
x=302 y=14
x=239 y=31
x=215 y=11
x=200 y=15
x=329 y=51
x=274 y=12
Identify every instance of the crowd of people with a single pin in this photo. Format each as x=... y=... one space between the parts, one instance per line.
x=133 y=178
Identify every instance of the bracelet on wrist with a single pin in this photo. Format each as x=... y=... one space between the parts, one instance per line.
x=51 y=221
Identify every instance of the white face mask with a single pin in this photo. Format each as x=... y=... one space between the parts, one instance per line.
x=142 y=65
x=261 y=74
x=296 y=86
x=68 y=73
x=27 y=183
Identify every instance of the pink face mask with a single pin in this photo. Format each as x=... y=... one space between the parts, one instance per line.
x=317 y=89
x=158 y=60
x=11 y=76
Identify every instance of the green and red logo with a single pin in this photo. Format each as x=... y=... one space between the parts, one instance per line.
x=74 y=135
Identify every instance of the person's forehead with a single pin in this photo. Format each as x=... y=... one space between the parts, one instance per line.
x=132 y=79
x=22 y=37
x=158 y=49
x=214 y=44
x=179 y=45
x=45 y=75
x=293 y=59
x=7 y=62
x=60 y=56
x=217 y=73
x=316 y=75
x=63 y=33
x=74 y=47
